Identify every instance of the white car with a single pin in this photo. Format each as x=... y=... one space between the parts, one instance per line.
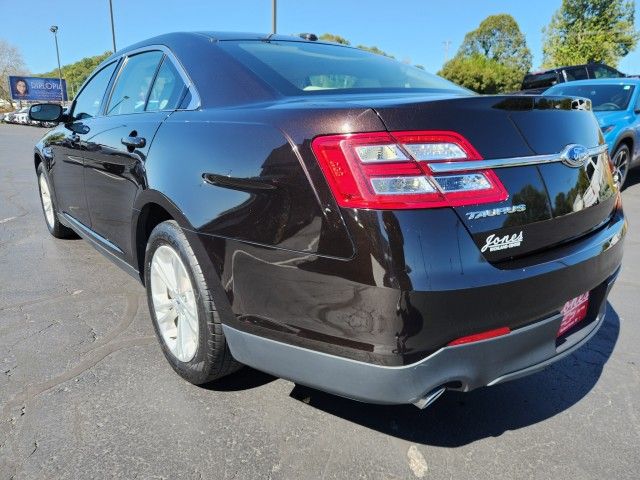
x=22 y=116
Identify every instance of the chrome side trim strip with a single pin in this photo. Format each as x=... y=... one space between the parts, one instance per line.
x=449 y=167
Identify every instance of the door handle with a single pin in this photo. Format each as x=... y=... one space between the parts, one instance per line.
x=134 y=142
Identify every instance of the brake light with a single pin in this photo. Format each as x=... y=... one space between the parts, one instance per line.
x=498 y=332
x=383 y=170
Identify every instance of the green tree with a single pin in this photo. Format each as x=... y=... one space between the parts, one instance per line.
x=492 y=58
x=376 y=50
x=76 y=73
x=584 y=31
x=499 y=38
x=330 y=37
x=481 y=74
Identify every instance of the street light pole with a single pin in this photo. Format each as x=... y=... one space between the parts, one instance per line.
x=273 y=15
x=113 y=29
x=54 y=30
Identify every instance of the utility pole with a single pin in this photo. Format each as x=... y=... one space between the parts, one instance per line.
x=54 y=30
x=447 y=44
x=273 y=15
x=113 y=29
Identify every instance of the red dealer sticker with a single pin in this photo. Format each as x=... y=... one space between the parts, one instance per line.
x=574 y=312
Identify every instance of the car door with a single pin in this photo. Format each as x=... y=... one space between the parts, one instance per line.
x=146 y=90
x=67 y=167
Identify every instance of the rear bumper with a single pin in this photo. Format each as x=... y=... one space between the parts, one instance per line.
x=464 y=367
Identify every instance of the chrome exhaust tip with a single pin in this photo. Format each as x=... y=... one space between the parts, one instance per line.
x=429 y=398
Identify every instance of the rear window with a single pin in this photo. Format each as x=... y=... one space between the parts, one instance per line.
x=303 y=68
x=603 y=98
x=539 y=80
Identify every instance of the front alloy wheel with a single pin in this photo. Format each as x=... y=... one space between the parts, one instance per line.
x=621 y=164
x=49 y=207
x=47 y=204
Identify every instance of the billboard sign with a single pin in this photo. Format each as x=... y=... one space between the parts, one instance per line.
x=37 y=89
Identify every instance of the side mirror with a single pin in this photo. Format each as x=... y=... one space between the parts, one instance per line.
x=46 y=112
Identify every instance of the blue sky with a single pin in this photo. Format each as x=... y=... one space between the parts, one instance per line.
x=409 y=29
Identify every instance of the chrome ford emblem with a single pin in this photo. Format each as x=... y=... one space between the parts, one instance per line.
x=574 y=155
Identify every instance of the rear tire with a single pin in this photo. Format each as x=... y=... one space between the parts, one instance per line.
x=621 y=159
x=49 y=207
x=185 y=317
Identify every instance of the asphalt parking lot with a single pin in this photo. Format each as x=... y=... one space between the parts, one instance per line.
x=86 y=393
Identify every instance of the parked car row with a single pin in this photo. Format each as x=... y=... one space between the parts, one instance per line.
x=21 y=117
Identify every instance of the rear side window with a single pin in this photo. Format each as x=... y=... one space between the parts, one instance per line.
x=602 y=71
x=305 y=68
x=540 y=80
x=168 y=88
x=578 y=73
x=87 y=103
x=132 y=86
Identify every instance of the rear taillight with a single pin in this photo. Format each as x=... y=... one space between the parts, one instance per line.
x=392 y=170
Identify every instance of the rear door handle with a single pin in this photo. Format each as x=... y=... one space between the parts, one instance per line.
x=134 y=142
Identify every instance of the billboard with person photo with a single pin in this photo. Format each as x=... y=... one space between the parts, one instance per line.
x=37 y=88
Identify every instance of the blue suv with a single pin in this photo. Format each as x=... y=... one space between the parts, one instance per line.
x=616 y=104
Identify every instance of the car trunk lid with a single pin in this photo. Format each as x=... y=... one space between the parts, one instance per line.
x=550 y=202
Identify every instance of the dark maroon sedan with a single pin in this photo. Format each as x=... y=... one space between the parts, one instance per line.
x=335 y=217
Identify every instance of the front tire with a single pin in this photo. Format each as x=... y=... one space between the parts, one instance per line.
x=182 y=308
x=621 y=160
x=49 y=208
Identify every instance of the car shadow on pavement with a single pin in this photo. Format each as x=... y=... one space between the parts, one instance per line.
x=244 y=379
x=633 y=178
x=458 y=419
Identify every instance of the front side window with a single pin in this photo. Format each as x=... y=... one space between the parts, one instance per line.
x=305 y=68
x=132 y=86
x=168 y=88
x=603 y=98
x=87 y=103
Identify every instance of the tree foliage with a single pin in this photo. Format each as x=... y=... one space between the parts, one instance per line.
x=492 y=58
x=11 y=63
x=76 y=73
x=482 y=74
x=583 y=31
x=330 y=37
x=376 y=50
x=499 y=38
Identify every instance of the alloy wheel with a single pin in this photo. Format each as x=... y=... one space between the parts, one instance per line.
x=174 y=303
x=47 y=204
x=621 y=165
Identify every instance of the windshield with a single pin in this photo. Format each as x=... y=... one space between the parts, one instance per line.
x=304 y=68
x=604 y=98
